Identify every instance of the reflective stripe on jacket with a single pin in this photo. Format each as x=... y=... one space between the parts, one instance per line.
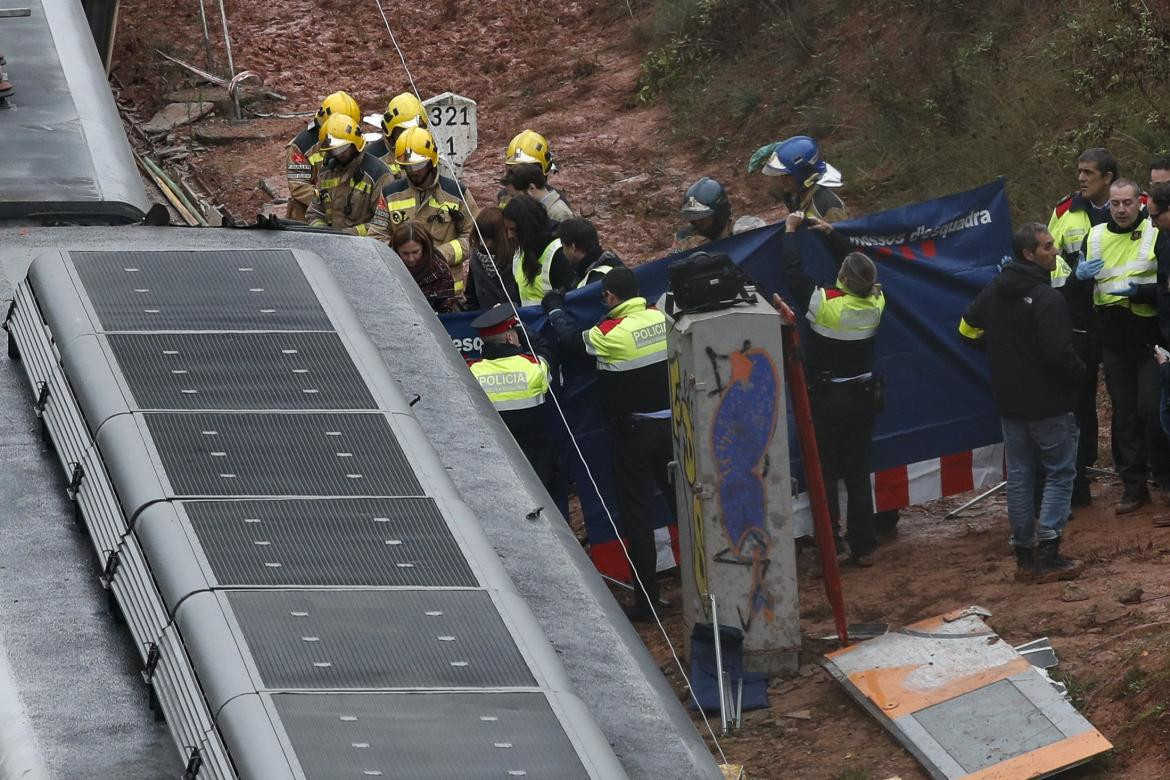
x=302 y=164
x=1129 y=258
x=348 y=198
x=1060 y=273
x=631 y=336
x=532 y=292
x=841 y=315
x=513 y=382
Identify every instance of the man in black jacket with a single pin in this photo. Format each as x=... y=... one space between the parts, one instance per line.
x=1024 y=325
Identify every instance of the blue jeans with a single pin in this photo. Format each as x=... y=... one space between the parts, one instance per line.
x=1045 y=447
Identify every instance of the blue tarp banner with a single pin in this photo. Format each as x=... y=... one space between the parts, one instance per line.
x=933 y=258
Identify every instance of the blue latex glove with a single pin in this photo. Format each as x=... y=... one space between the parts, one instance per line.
x=1089 y=269
x=1131 y=292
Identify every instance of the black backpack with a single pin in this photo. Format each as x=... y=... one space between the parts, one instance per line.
x=704 y=281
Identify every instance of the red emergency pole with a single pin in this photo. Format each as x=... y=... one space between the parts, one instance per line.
x=802 y=411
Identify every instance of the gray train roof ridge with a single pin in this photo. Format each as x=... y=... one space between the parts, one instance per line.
x=604 y=658
x=102 y=283
x=65 y=156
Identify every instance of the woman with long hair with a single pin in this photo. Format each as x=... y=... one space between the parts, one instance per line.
x=539 y=264
x=427 y=267
x=490 y=267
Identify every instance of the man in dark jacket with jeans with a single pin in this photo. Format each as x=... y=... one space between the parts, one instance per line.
x=1024 y=325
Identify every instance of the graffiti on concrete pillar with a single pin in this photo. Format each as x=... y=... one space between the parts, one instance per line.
x=742 y=428
x=681 y=397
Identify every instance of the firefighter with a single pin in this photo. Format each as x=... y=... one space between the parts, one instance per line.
x=804 y=176
x=403 y=112
x=707 y=208
x=528 y=162
x=629 y=345
x=351 y=181
x=1118 y=259
x=303 y=157
x=516 y=380
x=844 y=391
x=1071 y=221
x=447 y=210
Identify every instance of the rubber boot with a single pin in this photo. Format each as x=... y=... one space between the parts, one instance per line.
x=1051 y=566
x=1026 y=564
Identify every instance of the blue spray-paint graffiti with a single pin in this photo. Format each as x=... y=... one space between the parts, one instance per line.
x=741 y=432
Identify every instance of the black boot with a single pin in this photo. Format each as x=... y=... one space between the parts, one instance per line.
x=1051 y=566
x=1026 y=564
x=1081 y=496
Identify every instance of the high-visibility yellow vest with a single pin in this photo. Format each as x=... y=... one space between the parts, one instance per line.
x=1068 y=229
x=531 y=292
x=631 y=336
x=1060 y=272
x=841 y=315
x=513 y=382
x=601 y=269
x=1129 y=257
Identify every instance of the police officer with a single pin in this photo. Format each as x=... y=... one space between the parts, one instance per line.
x=516 y=382
x=303 y=157
x=351 y=183
x=804 y=176
x=629 y=345
x=1118 y=260
x=706 y=206
x=403 y=112
x=845 y=394
x=1070 y=222
x=583 y=250
x=430 y=199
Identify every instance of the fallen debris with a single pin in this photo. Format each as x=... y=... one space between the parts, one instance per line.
x=1129 y=593
x=965 y=703
x=175 y=115
x=799 y=715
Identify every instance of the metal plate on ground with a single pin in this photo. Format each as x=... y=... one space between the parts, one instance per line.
x=378 y=639
x=277 y=454
x=964 y=702
x=246 y=371
x=329 y=542
x=257 y=289
x=439 y=736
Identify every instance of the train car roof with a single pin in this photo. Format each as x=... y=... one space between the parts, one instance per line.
x=606 y=662
x=64 y=157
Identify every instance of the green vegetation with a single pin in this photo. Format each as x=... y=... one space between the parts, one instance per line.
x=918 y=99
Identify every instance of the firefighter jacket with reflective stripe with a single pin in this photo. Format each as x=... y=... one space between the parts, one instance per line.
x=302 y=163
x=820 y=202
x=533 y=291
x=384 y=152
x=347 y=197
x=556 y=207
x=436 y=205
x=1129 y=259
x=513 y=382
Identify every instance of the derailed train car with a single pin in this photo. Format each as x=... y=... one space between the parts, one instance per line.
x=309 y=565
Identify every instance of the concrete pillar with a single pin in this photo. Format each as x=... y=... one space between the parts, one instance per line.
x=732 y=479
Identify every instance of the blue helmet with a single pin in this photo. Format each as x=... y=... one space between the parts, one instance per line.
x=707 y=198
x=799 y=156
